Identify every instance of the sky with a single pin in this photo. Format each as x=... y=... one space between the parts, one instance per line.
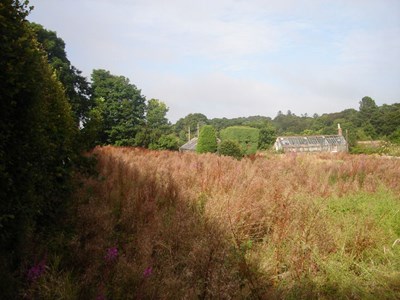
x=237 y=58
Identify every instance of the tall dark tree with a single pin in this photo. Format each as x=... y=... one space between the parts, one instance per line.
x=120 y=106
x=36 y=139
x=77 y=88
x=367 y=115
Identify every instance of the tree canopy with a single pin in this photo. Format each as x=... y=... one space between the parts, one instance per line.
x=77 y=88
x=156 y=132
x=119 y=106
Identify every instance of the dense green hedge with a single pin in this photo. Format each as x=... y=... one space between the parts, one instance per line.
x=207 y=140
x=247 y=137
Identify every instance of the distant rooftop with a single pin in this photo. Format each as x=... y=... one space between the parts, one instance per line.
x=189 y=146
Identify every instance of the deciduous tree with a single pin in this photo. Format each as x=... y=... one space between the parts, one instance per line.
x=156 y=125
x=121 y=105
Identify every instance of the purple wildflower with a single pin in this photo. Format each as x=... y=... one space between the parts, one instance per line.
x=112 y=254
x=37 y=270
x=101 y=297
x=148 y=272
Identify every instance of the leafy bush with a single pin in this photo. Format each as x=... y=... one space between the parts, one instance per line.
x=247 y=137
x=230 y=148
x=267 y=137
x=207 y=140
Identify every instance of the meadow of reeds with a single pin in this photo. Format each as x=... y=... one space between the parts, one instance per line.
x=168 y=225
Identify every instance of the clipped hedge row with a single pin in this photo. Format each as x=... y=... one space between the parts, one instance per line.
x=247 y=137
x=207 y=140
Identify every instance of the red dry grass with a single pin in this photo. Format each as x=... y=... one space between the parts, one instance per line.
x=198 y=220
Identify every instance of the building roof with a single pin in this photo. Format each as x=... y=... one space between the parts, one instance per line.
x=304 y=141
x=189 y=146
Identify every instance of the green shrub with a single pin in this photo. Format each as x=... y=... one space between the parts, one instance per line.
x=247 y=137
x=230 y=148
x=267 y=137
x=207 y=140
x=166 y=142
x=395 y=137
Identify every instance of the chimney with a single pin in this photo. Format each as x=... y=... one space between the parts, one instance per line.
x=339 y=130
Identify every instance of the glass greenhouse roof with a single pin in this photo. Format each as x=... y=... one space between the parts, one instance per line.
x=304 y=141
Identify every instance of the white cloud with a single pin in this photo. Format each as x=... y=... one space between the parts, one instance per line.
x=373 y=47
x=236 y=57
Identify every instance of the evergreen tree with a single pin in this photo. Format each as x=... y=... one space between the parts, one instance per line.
x=207 y=141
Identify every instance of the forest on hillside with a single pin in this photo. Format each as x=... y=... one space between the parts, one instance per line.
x=51 y=116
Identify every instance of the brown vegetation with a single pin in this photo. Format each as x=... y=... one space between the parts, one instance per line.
x=203 y=226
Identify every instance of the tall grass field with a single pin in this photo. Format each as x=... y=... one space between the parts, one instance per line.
x=168 y=225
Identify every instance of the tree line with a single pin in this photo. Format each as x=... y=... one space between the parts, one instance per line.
x=111 y=110
x=369 y=122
